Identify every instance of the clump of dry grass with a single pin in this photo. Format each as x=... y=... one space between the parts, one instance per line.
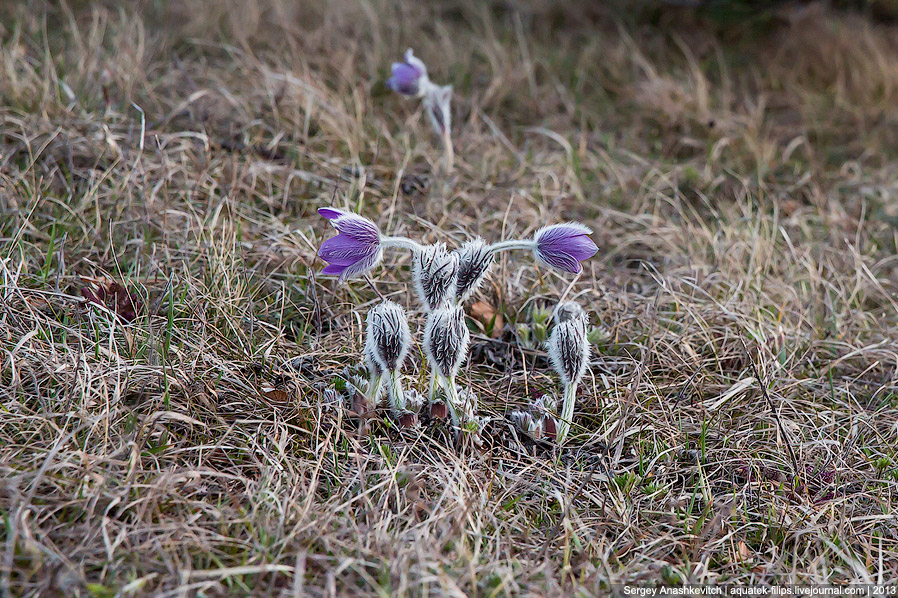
x=742 y=193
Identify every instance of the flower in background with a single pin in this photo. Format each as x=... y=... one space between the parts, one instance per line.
x=437 y=101
x=409 y=78
x=564 y=246
x=357 y=247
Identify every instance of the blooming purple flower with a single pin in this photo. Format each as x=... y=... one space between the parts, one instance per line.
x=356 y=249
x=408 y=77
x=564 y=246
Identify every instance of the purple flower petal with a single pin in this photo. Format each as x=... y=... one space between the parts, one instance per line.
x=582 y=247
x=343 y=247
x=559 y=261
x=356 y=247
x=415 y=62
x=564 y=246
x=560 y=232
x=362 y=265
x=333 y=269
x=331 y=213
x=359 y=228
x=405 y=79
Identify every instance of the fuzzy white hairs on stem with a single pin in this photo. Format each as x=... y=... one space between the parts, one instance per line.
x=568 y=350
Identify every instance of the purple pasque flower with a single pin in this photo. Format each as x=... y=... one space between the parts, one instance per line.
x=356 y=249
x=564 y=246
x=408 y=78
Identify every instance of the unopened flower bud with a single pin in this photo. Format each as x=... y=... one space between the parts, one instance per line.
x=446 y=340
x=549 y=427
x=569 y=350
x=468 y=402
x=568 y=311
x=414 y=400
x=434 y=271
x=439 y=410
x=388 y=337
x=544 y=403
x=474 y=260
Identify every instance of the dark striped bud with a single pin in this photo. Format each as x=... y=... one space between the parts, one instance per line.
x=434 y=272
x=569 y=350
x=446 y=340
x=474 y=260
x=388 y=337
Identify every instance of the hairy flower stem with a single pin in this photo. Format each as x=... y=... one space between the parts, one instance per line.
x=450 y=152
x=567 y=411
x=374 y=381
x=452 y=399
x=394 y=390
x=433 y=386
x=401 y=242
x=511 y=244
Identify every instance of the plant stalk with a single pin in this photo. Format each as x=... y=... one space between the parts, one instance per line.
x=397 y=397
x=512 y=244
x=567 y=412
x=401 y=242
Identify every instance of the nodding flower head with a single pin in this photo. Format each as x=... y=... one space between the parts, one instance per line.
x=409 y=78
x=474 y=260
x=564 y=246
x=434 y=271
x=568 y=311
x=446 y=340
x=437 y=101
x=356 y=249
x=388 y=337
x=569 y=350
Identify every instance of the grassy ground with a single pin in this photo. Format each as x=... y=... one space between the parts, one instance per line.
x=741 y=180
